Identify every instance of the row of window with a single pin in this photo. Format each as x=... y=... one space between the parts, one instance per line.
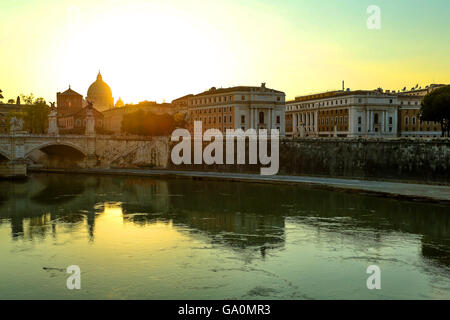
x=260 y=118
x=213 y=110
x=375 y=129
x=243 y=119
x=217 y=100
x=339 y=111
x=426 y=129
x=416 y=103
x=413 y=120
x=211 y=100
x=336 y=120
x=213 y=119
x=329 y=129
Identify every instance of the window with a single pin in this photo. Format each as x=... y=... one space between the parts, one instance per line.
x=242 y=119
x=278 y=119
x=406 y=120
x=231 y=119
x=390 y=120
x=261 y=117
x=243 y=98
x=278 y=98
x=414 y=120
x=375 y=119
x=359 y=120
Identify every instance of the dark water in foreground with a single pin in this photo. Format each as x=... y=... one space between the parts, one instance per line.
x=139 y=238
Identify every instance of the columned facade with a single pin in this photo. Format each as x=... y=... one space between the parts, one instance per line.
x=344 y=114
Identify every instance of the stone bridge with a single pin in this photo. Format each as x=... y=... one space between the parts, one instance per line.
x=20 y=150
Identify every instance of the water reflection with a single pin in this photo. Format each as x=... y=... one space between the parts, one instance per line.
x=255 y=218
x=238 y=215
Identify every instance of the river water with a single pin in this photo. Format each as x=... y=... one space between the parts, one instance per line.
x=144 y=238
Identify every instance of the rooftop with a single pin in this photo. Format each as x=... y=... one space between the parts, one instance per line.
x=214 y=90
x=339 y=93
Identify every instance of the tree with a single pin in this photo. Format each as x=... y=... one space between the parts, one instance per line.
x=180 y=120
x=148 y=123
x=27 y=99
x=35 y=114
x=436 y=107
x=11 y=101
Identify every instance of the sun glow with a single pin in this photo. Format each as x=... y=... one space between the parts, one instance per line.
x=160 y=50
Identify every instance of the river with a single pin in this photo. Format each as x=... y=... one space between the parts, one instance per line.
x=145 y=238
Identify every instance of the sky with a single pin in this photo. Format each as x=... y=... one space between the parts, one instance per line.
x=160 y=50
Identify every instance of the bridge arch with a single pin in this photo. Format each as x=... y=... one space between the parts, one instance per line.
x=4 y=156
x=47 y=145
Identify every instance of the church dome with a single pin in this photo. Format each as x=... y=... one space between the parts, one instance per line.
x=100 y=94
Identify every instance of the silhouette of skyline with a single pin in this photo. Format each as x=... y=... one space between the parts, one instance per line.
x=165 y=49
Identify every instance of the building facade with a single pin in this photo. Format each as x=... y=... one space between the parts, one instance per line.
x=410 y=124
x=343 y=114
x=238 y=108
x=71 y=113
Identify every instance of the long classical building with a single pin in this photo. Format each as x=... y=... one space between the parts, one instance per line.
x=360 y=113
x=239 y=107
x=343 y=114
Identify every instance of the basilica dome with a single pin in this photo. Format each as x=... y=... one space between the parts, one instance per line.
x=100 y=94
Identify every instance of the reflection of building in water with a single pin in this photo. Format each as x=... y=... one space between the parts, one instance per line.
x=232 y=214
x=240 y=230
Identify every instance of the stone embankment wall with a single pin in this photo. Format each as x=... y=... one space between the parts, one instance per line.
x=403 y=159
x=421 y=160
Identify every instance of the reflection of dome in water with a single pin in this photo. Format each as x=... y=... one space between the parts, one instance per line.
x=100 y=94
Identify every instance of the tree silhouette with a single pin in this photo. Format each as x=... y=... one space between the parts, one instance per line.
x=436 y=107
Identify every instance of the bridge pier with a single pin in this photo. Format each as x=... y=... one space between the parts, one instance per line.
x=13 y=169
x=91 y=161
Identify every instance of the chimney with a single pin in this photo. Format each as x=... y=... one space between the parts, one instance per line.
x=343 y=86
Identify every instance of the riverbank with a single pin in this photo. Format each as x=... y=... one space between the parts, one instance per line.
x=396 y=190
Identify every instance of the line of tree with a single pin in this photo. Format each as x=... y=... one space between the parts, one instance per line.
x=151 y=124
x=436 y=107
x=34 y=114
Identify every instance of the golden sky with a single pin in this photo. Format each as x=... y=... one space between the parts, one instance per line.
x=163 y=49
